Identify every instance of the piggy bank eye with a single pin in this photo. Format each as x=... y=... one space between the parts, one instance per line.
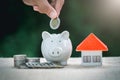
x=51 y=40
x=60 y=41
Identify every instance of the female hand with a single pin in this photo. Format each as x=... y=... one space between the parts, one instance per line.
x=51 y=8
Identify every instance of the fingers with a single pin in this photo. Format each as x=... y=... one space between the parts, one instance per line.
x=46 y=8
x=28 y=2
x=58 y=6
x=43 y=6
x=35 y=8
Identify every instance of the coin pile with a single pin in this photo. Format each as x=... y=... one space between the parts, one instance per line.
x=55 y=23
x=42 y=65
x=22 y=62
x=19 y=60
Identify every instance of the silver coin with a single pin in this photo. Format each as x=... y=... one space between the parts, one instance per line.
x=55 y=23
x=19 y=57
x=33 y=59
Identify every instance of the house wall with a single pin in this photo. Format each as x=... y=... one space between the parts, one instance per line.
x=91 y=53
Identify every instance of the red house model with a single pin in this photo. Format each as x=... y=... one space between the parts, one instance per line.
x=91 y=50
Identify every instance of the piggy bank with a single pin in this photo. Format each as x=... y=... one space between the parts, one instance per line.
x=56 y=48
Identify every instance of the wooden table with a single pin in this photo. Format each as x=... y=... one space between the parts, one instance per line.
x=74 y=71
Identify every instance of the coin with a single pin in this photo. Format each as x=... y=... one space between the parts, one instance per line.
x=33 y=59
x=55 y=23
x=19 y=57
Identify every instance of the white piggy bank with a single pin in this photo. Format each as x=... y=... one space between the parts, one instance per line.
x=56 y=47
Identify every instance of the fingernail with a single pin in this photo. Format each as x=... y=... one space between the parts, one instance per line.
x=35 y=8
x=53 y=15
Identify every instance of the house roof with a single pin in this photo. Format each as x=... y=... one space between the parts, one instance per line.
x=91 y=42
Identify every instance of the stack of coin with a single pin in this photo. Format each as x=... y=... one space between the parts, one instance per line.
x=55 y=23
x=19 y=60
x=43 y=65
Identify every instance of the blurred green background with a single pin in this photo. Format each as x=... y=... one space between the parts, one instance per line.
x=21 y=27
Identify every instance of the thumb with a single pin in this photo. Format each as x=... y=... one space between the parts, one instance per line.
x=52 y=13
x=59 y=5
x=47 y=9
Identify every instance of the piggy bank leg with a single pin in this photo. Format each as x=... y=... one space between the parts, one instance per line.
x=63 y=63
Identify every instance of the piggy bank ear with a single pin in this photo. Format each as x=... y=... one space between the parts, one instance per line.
x=45 y=35
x=65 y=34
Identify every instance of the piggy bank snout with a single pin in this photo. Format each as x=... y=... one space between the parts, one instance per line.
x=56 y=52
